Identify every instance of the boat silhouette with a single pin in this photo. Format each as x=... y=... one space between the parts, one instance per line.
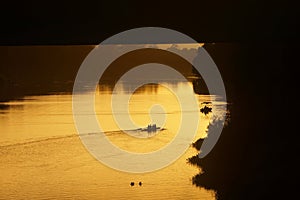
x=151 y=128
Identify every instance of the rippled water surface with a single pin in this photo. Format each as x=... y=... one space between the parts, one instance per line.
x=42 y=156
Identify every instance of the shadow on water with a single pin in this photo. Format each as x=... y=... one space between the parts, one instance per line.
x=4 y=107
x=6 y=89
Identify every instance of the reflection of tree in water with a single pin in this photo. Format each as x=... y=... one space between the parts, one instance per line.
x=1 y=86
x=150 y=88
x=6 y=88
x=4 y=107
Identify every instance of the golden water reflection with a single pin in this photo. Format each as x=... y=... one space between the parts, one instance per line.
x=42 y=157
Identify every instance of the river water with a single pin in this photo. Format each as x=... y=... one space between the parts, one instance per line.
x=42 y=156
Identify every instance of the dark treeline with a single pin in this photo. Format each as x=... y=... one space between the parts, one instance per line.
x=256 y=154
x=37 y=70
x=34 y=70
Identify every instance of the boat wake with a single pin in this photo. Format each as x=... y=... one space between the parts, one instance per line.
x=53 y=138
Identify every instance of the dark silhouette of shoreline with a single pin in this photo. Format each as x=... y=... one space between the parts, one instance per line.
x=256 y=153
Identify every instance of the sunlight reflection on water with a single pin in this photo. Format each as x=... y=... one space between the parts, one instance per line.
x=42 y=157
